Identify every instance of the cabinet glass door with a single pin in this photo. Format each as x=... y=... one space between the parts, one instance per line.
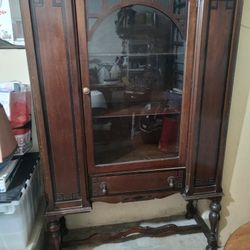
x=136 y=57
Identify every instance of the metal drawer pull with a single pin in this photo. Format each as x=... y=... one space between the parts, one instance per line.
x=104 y=187
x=171 y=181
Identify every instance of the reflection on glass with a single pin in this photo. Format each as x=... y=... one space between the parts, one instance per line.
x=136 y=58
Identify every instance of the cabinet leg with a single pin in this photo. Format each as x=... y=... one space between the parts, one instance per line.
x=191 y=210
x=63 y=228
x=54 y=235
x=214 y=217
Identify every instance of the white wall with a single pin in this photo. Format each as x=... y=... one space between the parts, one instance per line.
x=104 y=213
x=13 y=66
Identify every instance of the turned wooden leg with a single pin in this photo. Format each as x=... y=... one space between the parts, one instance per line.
x=214 y=217
x=191 y=210
x=54 y=235
x=63 y=227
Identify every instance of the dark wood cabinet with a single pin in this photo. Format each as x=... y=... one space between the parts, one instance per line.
x=131 y=99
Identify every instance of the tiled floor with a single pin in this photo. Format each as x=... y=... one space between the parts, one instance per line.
x=176 y=242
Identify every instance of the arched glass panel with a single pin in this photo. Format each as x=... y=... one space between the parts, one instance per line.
x=136 y=63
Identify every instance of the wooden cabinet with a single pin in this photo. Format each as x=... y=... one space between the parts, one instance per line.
x=131 y=99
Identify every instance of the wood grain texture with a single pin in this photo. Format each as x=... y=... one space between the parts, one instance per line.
x=186 y=118
x=56 y=83
x=213 y=76
x=240 y=239
x=133 y=232
x=131 y=197
x=213 y=91
x=61 y=121
x=137 y=183
x=198 y=67
x=37 y=101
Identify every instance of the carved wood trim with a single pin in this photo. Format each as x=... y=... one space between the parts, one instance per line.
x=230 y=4
x=197 y=77
x=38 y=3
x=135 y=197
x=134 y=233
x=67 y=197
x=58 y=3
x=207 y=182
x=61 y=3
x=79 y=147
x=37 y=100
x=214 y=4
x=206 y=27
x=54 y=235
x=33 y=6
x=214 y=217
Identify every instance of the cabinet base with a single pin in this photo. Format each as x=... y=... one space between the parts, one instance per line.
x=134 y=232
x=123 y=232
x=130 y=231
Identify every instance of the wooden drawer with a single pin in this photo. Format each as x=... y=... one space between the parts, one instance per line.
x=137 y=182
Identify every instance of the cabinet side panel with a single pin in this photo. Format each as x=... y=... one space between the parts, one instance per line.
x=37 y=102
x=57 y=68
x=219 y=34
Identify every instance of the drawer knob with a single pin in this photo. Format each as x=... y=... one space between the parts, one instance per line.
x=104 y=188
x=86 y=91
x=171 y=181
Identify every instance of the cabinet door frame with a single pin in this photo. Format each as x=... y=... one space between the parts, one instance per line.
x=174 y=162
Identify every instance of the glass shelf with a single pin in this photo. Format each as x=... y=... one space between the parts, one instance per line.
x=135 y=54
x=129 y=151
x=138 y=110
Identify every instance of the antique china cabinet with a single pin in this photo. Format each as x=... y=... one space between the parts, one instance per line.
x=131 y=100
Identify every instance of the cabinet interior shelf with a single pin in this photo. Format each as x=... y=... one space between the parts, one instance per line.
x=137 y=70
x=138 y=110
x=118 y=85
x=128 y=152
x=144 y=31
x=136 y=54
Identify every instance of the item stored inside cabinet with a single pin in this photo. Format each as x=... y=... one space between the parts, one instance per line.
x=142 y=51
